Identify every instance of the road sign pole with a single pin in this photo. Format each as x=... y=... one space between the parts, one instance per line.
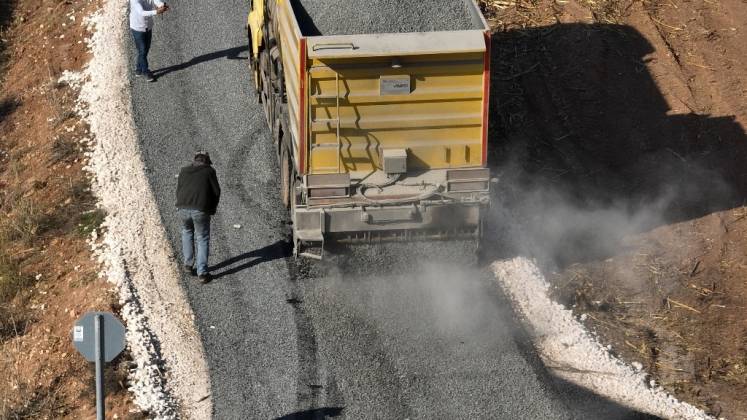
x=99 y=338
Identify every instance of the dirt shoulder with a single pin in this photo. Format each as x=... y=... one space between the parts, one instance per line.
x=618 y=133
x=47 y=216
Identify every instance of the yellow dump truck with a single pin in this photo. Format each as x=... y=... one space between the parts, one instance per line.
x=380 y=136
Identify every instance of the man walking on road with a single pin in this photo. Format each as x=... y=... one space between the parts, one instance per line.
x=141 y=24
x=197 y=196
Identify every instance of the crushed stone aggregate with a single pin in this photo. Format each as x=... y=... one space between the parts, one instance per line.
x=331 y=17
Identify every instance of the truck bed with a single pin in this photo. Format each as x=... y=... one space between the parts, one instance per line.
x=382 y=115
x=352 y=17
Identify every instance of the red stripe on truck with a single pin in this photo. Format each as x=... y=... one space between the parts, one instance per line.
x=485 y=98
x=302 y=107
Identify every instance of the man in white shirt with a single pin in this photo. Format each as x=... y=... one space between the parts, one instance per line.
x=141 y=24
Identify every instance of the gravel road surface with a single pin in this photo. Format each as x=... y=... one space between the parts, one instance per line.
x=332 y=17
x=282 y=342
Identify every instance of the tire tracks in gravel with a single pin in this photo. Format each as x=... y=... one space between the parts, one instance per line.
x=308 y=385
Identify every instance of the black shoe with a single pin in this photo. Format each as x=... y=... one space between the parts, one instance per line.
x=205 y=278
x=149 y=76
x=190 y=270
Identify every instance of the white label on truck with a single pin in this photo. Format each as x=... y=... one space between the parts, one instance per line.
x=394 y=85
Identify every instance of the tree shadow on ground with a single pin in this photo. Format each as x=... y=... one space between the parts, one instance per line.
x=6 y=13
x=279 y=249
x=587 y=148
x=314 y=414
x=230 y=54
x=7 y=106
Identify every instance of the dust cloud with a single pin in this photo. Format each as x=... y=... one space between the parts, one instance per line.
x=560 y=223
x=553 y=228
x=430 y=330
x=431 y=288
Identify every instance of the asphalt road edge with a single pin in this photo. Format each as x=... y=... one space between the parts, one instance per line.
x=170 y=379
x=570 y=352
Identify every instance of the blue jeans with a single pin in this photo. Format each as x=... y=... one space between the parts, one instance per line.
x=142 y=43
x=195 y=234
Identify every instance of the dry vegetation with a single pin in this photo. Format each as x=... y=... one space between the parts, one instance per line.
x=614 y=106
x=47 y=214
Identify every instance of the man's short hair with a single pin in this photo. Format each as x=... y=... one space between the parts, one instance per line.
x=203 y=157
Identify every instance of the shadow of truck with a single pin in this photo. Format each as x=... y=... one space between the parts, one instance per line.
x=580 y=128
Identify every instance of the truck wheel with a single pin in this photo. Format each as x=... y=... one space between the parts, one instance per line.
x=281 y=81
x=285 y=178
x=256 y=78
x=266 y=95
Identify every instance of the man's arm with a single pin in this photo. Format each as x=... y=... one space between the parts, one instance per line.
x=215 y=186
x=137 y=9
x=216 y=190
x=178 y=186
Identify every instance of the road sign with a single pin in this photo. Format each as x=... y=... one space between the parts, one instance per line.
x=99 y=337
x=84 y=336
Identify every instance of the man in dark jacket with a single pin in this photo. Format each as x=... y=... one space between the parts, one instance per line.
x=197 y=196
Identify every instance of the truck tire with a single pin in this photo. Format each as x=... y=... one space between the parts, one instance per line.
x=267 y=94
x=281 y=80
x=286 y=178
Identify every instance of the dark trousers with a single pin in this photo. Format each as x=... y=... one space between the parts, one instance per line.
x=195 y=234
x=142 y=43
